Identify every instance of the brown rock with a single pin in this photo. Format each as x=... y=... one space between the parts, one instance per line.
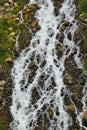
x=32 y=64
x=6 y=4
x=64 y=26
x=50 y=112
x=12 y=33
x=84 y=115
x=11 y=1
x=71 y=107
x=68 y=79
x=9 y=60
x=2 y=83
x=34 y=23
x=84 y=120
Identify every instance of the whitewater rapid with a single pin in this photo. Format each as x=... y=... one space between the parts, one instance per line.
x=42 y=50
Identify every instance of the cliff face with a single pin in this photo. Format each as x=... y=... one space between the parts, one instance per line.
x=10 y=28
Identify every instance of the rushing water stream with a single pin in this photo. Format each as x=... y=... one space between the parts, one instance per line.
x=47 y=82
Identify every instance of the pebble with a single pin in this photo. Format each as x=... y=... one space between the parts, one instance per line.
x=2 y=83
x=11 y=1
x=6 y=4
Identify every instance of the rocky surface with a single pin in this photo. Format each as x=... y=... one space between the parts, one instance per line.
x=73 y=77
x=5 y=96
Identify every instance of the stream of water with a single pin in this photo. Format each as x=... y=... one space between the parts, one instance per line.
x=47 y=81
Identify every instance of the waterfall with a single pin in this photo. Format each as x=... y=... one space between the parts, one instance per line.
x=39 y=98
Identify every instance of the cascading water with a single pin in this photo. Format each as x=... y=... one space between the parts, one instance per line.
x=47 y=81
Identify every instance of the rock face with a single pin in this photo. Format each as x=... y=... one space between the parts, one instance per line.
x=29 y=18
x=5 y=96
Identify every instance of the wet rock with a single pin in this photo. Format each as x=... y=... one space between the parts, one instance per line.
x=43 y=64
x=59 y=49
x=69 y=36
x=78 y=35
x=57 y=5
x=71 y=111
x=75 y=126
x=68 y=79
x=50 y=112
x=32 y=64
x=84 y=116
x=46 y=122
x=29 y=11
x=84 y=120
x=56 y=11
x=67 y=100
x=36 y=28
x=64 y=26
x=71 y=107
x=5 y=95
x=82 y=80
x=31 y=76
x=77 y=101
x=35 y=95
x=34 y=23
x=60 y=37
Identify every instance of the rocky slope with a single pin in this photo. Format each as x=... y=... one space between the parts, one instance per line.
x=73 y=77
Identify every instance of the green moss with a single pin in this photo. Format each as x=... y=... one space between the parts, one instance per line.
x=4 y=54
x=3 y=124
x=15 y=9
x=1 y=127
x=22 y=2
x=7 y=41
x=6 y=44
x=2 y=2
x=83 y=6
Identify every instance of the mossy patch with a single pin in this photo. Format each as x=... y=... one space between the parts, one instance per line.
x=8 y=27
x=4 y=54
x=83 y=6
x=2 y=2
x=15 y=9
x=3 y=123
x=6 y=41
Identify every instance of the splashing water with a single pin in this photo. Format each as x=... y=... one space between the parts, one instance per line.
x=40 y=97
